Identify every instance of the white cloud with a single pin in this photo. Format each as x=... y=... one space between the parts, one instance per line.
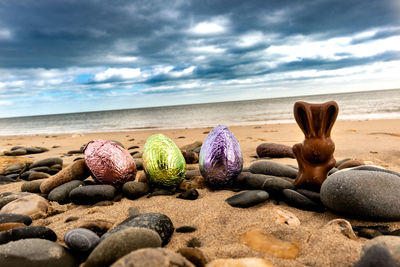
x=212 y=27
x=117 y=74
x=5 y=103
x=182 y=73
x=5 y=34
x=206 y=49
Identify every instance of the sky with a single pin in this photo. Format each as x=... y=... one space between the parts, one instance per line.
x=76 y=56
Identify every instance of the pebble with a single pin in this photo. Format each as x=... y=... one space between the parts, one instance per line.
x=376 y=255
x=40 y=169
x=192 y=173
x=314 y=196
x=17 y=152
x=134 y=190
x=273 y=150
x=300 y=201
x=338 y=163
x=333 y=170
x=15 y=168
x=161 y=192
x=266 y=243
x=60 y=194
x=158 y=222
x=7 y=161
x=37 y=176
x=32 y=205
x=10 y=225
x=100 y=227
x=391 y=243
x=90 y=194
x=4 y=200
x=71 y=219
x=153 y=257
x=194 y=242
x=247 y=199
x=27 y=232
x=191 y=146
x=190 y=157
x=6 y=180
x=190 y=194
x=368 y=233
x=240 y=262
x=36 y=253
x=368 y=194
x=133 y=147
x=81 y=240
x=47 y=162
x=350 y=163
x=30 y=150
x=25 y=175
x=283 y=216
x=16 y=218
x=75 y=171
x=32 y=186
x=272 y=168
x=185 y=229
x=121 y=243
x=341 y=226
x=194 y=255
x=374 y=168
x=138 y=163
x=271 y=184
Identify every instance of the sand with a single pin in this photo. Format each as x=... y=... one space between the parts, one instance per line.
x=220 y=226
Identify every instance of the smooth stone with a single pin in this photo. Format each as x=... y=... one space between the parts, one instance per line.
x=374 y=168
x=75 y=171
x=185 y=229
x=118 y=143
x=158 y=222
x=192 y=173
x=60 y=194
x=90 y=194
x=25 y=175
x=190 y=157
x=368 y=233
x=272 y=168
x=194 y=255
x=138 y=163
x=134 y=190
x=271 y=184
x=247 y=199
x=37 y=176
x=16 y=218
x=40 y=169
x=161 y=192
x=27 y=232
x=266 y=243
x=338 y=163
x=15 y=168
x=375 y=256
x=71 y=219
x=32 y=205
x=300 y=201
x=6 y=180
x=350 y=164
x=191 y=146
x=13 y=176
x=47 y=162
x=273 y=150
x=194 y=242
x=368 y=194
x=332 y=171
x=32 y=186
x=391 y=243
x=133 y=147
x=120 y=243
x=190 y=194
x=7 y=161
x=4 y=200
x=81 y=240
x=283 y=216
x=36 y=253
x=17 y=152
x=72 y=152
x=30 y=150
x=57 y=166
x=341 y=226
x=153 y=257
x=314 y=196
x=9 y=226
x=240 y=262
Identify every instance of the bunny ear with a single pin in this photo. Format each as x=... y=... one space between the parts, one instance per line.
x=302 y=114
x=331 y=110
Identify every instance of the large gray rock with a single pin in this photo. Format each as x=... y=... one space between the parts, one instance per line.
x=35 y=253
x=391 y=243
x=367 y=194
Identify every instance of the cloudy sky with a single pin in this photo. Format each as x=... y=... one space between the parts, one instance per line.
x=73 y=56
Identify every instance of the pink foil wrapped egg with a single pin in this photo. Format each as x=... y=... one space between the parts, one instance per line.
x=109 y=162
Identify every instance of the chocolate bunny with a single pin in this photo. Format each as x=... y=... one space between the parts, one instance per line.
x=315 y=155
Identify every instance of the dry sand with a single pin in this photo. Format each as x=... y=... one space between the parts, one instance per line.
x=219 y=226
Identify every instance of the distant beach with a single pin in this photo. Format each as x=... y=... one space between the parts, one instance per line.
x=370 y=105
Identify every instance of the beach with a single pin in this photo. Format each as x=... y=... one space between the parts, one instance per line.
x=220 y=226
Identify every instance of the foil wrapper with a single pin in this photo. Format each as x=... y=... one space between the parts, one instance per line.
x=109 y=162
x=163 y=162
x=220 y=158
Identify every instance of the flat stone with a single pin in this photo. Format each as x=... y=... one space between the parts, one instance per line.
x=247 y=199
x=350 y=164
x=27 y=232
x=190 y=194
x=120 y=243
x=338 y=163
x=47 y=162
x=391 y=243
x=38 y=175
x=81 y=240
x=17 y=152
x=273 y=150
x=241 y=262
x=40 y=169
x=194 y=255
x=300 y=201
x=314 y=196
x=368 y=194
x=7 y=161
x=36 y=253
x=32 y=205
x=60 y=194
x=191 y=146
x=272 y=168
x=376 y=255
x=134 y=190
x=263 y=242
x=6 y=180
x=153 y=257
x=271 y=184
x=158 y=222
x=32 y=186
x=4 y=200
x=25 y=175
x=15 y=168
x=90 y=194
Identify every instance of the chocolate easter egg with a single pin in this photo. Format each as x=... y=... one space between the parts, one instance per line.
x=163 y=162
x=220 y=157
x=109 y=162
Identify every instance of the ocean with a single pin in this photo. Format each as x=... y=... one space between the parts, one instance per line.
x=369 y=105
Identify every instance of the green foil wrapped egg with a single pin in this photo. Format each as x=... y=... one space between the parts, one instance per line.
x=163 y=161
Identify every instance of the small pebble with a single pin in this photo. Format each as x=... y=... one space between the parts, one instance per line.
x=90 y=194
x=300 y=201
x=134 y=190
x=185 y=229
x=190 y=194
x=247 y=199
x=27 y=232
x=16 y=218
x=81 y=240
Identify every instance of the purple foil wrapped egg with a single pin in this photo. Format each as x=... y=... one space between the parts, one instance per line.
x=109 y=162
x=220 y=157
